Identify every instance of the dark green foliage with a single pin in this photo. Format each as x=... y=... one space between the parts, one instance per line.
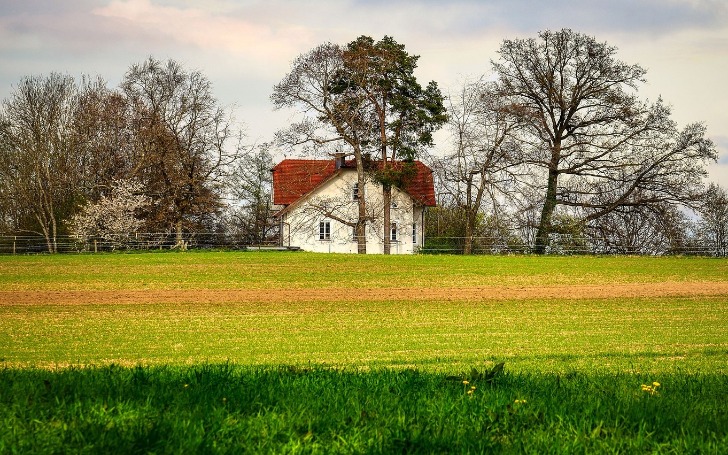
x=403 y=114
x=227 y=408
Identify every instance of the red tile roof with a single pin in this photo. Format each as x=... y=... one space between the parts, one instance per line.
x=293 y=178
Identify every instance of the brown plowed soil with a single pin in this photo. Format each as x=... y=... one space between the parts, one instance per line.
x=631 y=290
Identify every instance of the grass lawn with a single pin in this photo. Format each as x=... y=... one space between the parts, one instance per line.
x=230 y=270
x=188 y=352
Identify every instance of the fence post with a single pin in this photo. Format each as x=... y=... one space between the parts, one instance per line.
x=15 y=239
x=96 y=250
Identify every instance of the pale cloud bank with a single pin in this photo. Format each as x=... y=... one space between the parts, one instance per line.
x=208 y=31
x=245 y=47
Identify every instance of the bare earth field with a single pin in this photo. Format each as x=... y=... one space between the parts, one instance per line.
x=606 y=291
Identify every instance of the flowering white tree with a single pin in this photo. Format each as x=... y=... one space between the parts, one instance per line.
x=114 y=217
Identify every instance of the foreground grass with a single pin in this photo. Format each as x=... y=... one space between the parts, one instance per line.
x=224 y=408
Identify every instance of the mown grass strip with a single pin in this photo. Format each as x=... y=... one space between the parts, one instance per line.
x=220 y=408
x=236 y=270
x=611 y=335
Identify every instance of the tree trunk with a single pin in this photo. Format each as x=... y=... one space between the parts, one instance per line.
x=361 y=223
x=469 y=230
x=49 y=242
x=544 y=225
x=45 y=218
x=471 y=210
x=387 y=198
x=54 y=230
x=361 y=241
x=179 y=237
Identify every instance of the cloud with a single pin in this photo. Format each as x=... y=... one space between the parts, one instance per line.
x=718 y=173
x=67 y=27
x=528 y=16
x=721 y=144
x=265 y=32
x=205 y=29
x=245 y=47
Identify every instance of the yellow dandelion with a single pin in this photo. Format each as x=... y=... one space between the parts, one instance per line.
x=466 y=382
x=656 y=384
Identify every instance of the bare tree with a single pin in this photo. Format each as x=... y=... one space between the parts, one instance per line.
x=482 y=167
x=181 y=150
x=9 y=218
x=639 y=229
x=596 y=146
x=39 y=156
x=105 y=137
x=330 y=120
x=250 y=188
x=713 y=222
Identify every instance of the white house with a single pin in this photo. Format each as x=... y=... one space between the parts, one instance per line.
x=319 y=207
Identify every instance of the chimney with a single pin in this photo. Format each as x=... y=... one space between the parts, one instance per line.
x=339 y=160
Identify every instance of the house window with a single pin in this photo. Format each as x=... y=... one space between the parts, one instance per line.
x=393 y=204
x=325 y=230
x=393 y=231
x=355 y=192
x=414 y=232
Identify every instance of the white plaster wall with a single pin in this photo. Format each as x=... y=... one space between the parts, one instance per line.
x=301 y=223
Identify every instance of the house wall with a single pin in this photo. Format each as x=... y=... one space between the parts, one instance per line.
x=301 y=224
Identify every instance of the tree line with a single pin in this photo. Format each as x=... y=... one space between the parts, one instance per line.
x=557 y=150
x=157 y=154
x=551 y=147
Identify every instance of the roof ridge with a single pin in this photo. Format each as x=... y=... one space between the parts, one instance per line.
x=294 y=178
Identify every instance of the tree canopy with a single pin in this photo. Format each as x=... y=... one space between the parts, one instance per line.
x=592 y=142
x=364 y=95
x=557 y=142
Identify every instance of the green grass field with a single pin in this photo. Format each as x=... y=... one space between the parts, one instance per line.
x=286 y=352
x=229 y=270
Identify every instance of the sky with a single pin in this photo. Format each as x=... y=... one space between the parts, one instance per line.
x=245 y=47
